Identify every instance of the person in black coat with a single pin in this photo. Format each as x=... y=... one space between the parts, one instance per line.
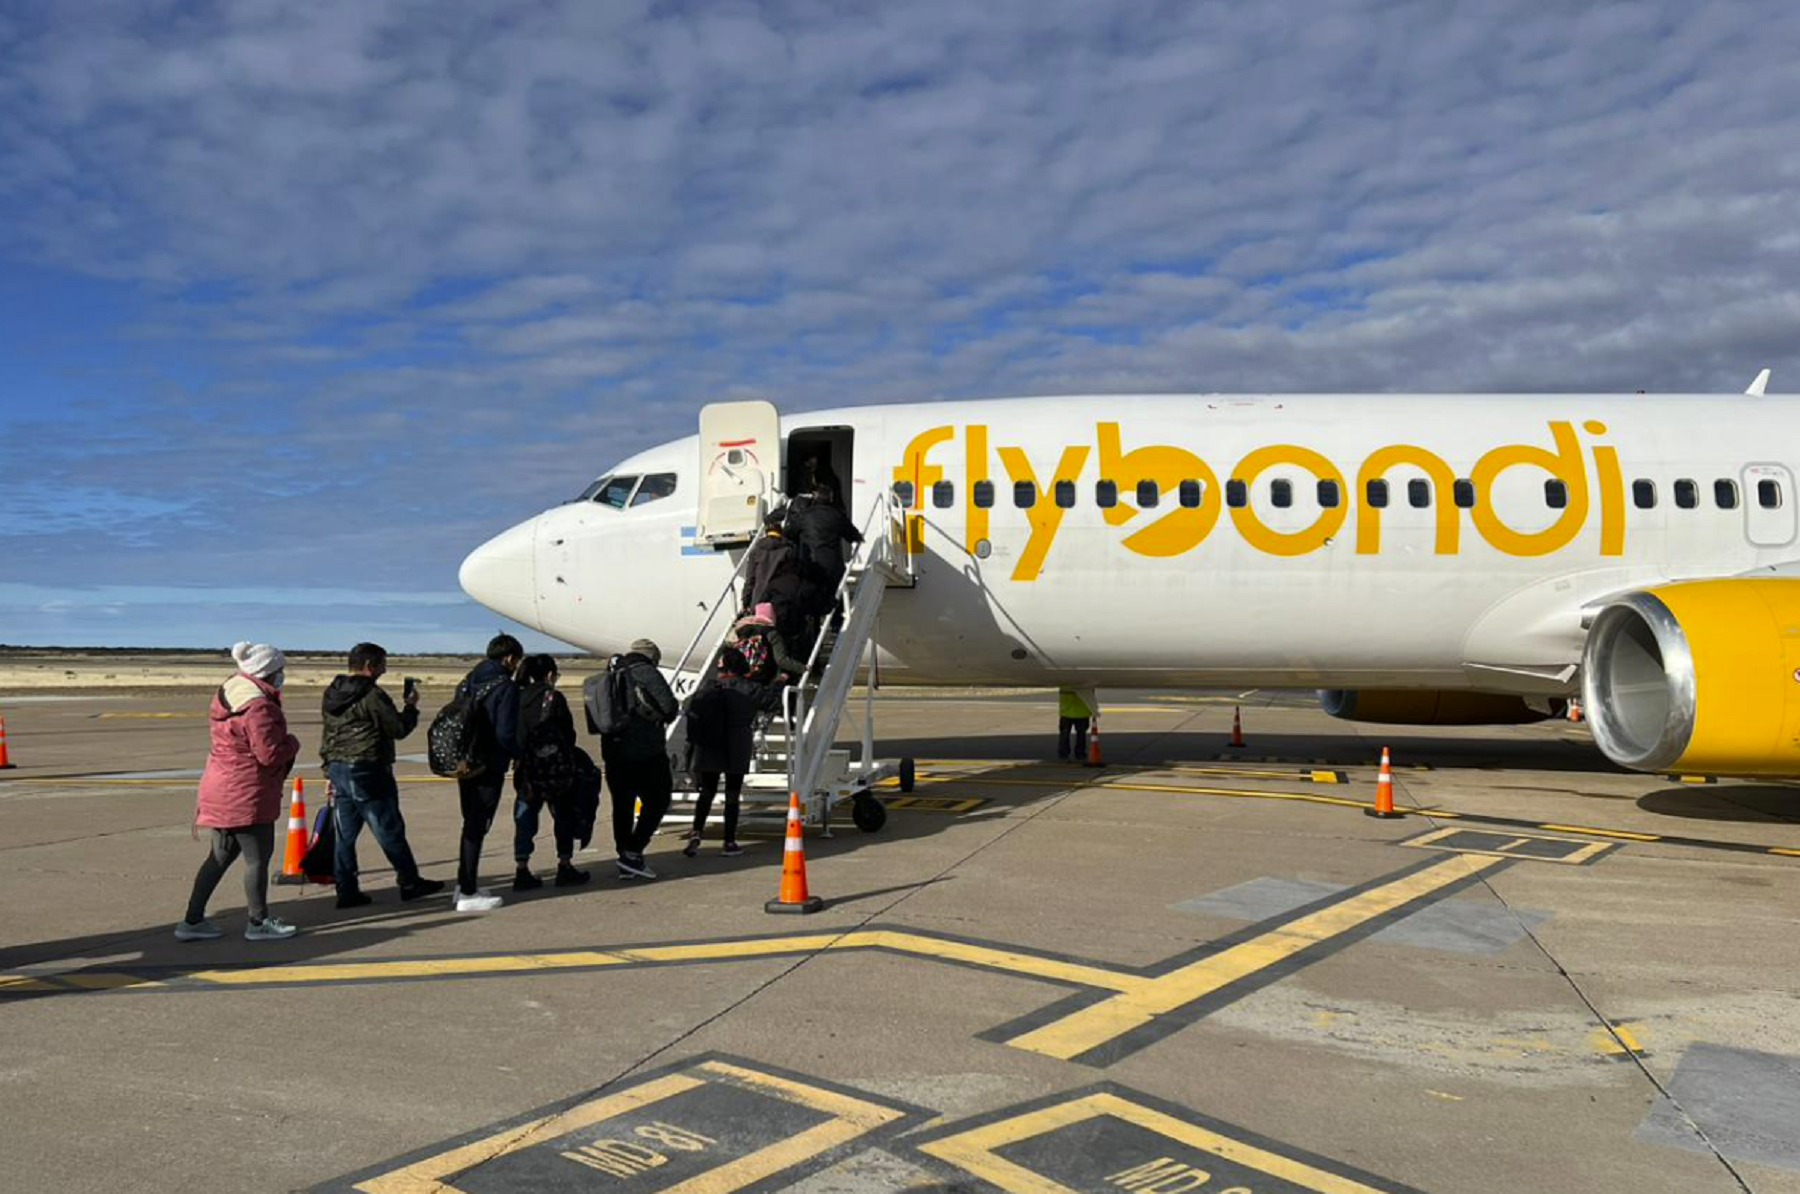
x=722 y=734
x=822 y=529
x=546 y=774
x=767 y=556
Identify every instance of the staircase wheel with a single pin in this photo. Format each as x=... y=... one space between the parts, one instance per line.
x=868 y=813
x=906 y=775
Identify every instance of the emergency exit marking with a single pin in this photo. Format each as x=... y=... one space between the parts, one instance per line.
x=713 y=1122
x=1111 y=1138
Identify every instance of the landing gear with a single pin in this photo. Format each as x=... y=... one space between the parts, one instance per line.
x=868 y=813
x=906 y=775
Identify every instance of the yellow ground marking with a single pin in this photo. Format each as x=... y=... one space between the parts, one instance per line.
x=1310 y=774
x=427 y=1176
x=144 y=716
x=1091 y=1027
x=851 y=1117
x=324 y=972
x=24 y=982
x=1621 y=1040
x=976 y=1150
x=1781 y=850
x=1626 y=834
x=1435 y=841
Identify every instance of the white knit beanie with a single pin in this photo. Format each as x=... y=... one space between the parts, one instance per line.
x=258 y=659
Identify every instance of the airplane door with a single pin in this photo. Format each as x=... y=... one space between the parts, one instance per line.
x=740 y=459
x=1768 y=505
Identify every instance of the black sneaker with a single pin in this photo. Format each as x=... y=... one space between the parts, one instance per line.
x=418 y=889
x=732 y=850
x=633 y=866
x=354 y=899
x=524 y=880
x=692 y=849
x=568 y=876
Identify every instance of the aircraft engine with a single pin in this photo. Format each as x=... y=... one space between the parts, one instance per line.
x=1428 y=707
x=1700 y=676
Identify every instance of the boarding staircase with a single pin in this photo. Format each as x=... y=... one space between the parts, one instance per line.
x=795 y=750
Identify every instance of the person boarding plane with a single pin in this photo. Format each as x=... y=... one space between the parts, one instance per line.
x=1419 y=559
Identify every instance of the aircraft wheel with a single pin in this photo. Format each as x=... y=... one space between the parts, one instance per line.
x=906 y=775
x=868 y=813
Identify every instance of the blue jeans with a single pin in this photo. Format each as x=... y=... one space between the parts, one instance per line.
x=366 y=792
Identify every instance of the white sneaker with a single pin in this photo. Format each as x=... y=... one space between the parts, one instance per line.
x=206 y=930
x=270 y=929
x=481 y=901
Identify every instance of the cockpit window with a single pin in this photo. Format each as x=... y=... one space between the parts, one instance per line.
x=656 y=485
x=594 y=487
x=615 y=491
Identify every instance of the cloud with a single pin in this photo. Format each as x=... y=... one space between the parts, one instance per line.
x=345 y=288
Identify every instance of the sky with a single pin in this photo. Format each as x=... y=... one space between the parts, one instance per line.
x=299 y=302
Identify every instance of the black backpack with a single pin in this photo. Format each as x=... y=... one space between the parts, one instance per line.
x=453 y=743
x=608 y=699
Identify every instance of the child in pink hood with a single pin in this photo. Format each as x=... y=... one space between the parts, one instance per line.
x=240 y=791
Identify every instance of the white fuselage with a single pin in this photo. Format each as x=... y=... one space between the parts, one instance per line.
x=1488 y=594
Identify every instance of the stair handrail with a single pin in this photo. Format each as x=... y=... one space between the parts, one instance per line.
x=727 y=599
x=799 y=707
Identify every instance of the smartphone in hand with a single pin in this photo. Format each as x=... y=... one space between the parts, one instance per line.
x=410 y=688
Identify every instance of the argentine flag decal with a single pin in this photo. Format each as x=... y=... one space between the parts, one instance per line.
x=689 y=547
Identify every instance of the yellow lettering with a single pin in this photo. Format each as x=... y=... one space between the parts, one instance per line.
x=1165 y=1175
x=1565 y=464
x=621 y=1158
x=1443 y=481
x=1611 y=484
x=1045 y=516
x=1183 y=528
x=975 y=468
x=914 y=467
x=1288 y=543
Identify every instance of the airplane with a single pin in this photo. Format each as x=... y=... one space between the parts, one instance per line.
x=1425 y=559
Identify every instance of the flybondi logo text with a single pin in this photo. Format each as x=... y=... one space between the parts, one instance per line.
x=1172 y=529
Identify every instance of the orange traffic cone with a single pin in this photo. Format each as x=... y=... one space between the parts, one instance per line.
x=1384 y=791
x=1575 y=711
x=794 y=897
x=296 y=841
x=1237 y=727
x=5 y=763
x=1094 y=759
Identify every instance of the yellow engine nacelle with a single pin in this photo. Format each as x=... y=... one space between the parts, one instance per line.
x=1428 y=707
x=1699 y=676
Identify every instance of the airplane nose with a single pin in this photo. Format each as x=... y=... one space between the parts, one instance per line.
x=502 y=573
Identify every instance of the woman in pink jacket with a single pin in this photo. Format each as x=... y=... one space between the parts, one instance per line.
x=240 y=791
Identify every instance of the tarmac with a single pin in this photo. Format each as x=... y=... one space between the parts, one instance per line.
x=1195 y=968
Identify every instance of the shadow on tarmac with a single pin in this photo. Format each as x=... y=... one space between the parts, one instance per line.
x=1769 y=804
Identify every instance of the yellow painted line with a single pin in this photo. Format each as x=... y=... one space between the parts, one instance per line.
x=718 y=951
x=996 y=959
x=1328 y=777
x=1094 y=1026
x=1311 y=775
x=1618 y=833
x=1781 y=850
x=976 y=1151
x=25 y=982
x=101 y=980
x=317 y=972
x=427 y=1176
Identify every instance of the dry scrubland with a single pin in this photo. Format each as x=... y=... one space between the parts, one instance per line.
x=49 y=671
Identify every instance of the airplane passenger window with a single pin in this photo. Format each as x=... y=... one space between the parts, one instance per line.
x=1378 y=493
x=1643 y=494
x=1556 y=495
x=1687 y=494
x=1106 y=494
x=1237 y=494
x=983 y=493
x=1065 y=494
x=656 y=485
x=943 y=494
x=1328 y=495
x=1725 y=494
x=903 y=492
x=1464 y=492
x=1418 y=493
x=1768 y=494
x=616 y=492
x=1024 y=494
x=1147 y=495
x=1281 y=493
x=1190 y=494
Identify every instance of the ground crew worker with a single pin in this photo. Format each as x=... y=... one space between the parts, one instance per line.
x=240 y=791
x=1074 y=714
x=361 y=727
x=636 y=759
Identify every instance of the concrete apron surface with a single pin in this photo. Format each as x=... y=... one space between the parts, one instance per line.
x=1198 y=968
